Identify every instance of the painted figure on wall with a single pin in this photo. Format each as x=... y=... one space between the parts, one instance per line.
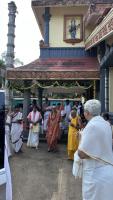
x=73 y=29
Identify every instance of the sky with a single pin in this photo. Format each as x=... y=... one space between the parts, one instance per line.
x=27 y=32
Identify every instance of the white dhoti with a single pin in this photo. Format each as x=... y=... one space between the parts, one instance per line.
x=16 y=133
x=96 y=142
x=8 y=143
x=33 y=138
x=16 y=137
x=7 y=135
x=97 y=183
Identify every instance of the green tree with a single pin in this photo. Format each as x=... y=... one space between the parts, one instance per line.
x=17 y=61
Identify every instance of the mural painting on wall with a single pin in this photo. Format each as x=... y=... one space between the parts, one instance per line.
x=73 y=31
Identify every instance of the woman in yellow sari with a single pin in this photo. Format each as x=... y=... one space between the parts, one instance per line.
x=73 y=140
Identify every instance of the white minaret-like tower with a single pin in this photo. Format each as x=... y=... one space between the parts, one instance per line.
x=10 y=48
x=11 y=34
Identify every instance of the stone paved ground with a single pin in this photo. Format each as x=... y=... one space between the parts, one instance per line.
x=39 y=175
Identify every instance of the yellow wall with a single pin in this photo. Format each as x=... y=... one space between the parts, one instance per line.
x=57 y=25
x=111 y=90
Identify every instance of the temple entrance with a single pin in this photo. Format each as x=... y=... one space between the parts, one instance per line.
x=56 y=78
x=57 y=91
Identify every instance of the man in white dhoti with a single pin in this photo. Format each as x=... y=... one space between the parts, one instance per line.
x=34 y=119
x=16 y=130
x=95 y=149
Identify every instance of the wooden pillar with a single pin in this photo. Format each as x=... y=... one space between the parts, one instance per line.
x=102 y=88
x=46 y=17
x=94 y=89
x=101 y=53
x=8 y=96
x=26 y=103
x=40 y=95
x=107 y=89
x=26 y=106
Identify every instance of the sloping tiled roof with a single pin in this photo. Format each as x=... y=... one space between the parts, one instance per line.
x=59 y=64
x=56 y=68
x=67 y=2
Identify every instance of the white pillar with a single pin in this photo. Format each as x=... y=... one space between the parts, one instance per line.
x=11 y=34
x=10 y=47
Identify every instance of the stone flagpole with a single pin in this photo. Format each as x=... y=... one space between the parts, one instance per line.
x=10 y=46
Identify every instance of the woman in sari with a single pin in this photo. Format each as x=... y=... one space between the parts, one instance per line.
x=34 y=119
x=16 y=129
x=73 y=140
x=53 y=129
x=95 y=149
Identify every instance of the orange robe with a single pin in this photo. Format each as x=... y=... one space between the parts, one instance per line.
x=53 y=130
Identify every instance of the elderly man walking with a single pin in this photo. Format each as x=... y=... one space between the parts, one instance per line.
x=95 y=149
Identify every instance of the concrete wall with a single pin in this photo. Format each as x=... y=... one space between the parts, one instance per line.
x=57 y=25
x=111 y=90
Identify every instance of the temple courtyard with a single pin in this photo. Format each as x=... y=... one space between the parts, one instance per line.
x=41 y=175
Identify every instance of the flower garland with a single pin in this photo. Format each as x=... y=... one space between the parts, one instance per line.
x=19 y=87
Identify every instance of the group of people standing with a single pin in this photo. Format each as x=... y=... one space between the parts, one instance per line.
x=62 y=119
x=55 y=121
x=50 y=124
x=93 y=144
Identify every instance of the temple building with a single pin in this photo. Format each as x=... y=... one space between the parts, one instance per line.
x=102 y=38
x=76 y=51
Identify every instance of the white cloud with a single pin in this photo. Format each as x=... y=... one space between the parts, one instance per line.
x=27 y=32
